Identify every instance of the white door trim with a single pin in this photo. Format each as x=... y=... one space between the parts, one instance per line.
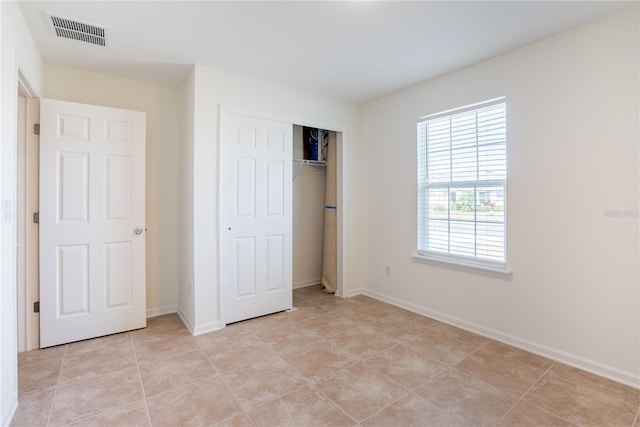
x=341 y=138
x=27 y=232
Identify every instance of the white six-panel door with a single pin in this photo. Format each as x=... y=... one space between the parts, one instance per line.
x=92 y=219
x=257 y=217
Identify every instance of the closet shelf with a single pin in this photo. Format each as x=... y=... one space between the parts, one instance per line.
x=303 y=162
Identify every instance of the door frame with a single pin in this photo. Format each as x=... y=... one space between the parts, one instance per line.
x=27 y=194
x=341 y=138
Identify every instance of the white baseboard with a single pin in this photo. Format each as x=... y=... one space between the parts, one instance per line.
x=185 y=321
x=306 y=283
x=360 y=291
x=208 y=327
x=159 y=311
x=201 y=329
x=576 y=361
x=11 y=412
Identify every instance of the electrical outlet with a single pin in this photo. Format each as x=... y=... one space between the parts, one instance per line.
x=387 y=270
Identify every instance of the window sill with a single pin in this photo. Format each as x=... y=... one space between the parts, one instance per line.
x=461 y=265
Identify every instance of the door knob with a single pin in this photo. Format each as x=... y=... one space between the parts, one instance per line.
x=137 y=230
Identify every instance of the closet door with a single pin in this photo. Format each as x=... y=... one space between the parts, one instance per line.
x=257 y=216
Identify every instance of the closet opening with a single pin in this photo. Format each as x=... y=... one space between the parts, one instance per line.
x=315 y=208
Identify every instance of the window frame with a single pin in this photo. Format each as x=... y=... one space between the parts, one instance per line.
x=423 y=186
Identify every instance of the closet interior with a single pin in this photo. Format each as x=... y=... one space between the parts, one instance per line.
x=314 y=208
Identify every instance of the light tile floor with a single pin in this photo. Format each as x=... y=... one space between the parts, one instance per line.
x=332 y=362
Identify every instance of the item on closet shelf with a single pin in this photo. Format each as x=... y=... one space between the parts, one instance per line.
x=323 y=138
x=310 y=143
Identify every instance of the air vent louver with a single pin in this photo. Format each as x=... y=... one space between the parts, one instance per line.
x=77 y=30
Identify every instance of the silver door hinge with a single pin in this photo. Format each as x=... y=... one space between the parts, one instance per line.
x=36 y=307
x=36 y=129
x=36 y=217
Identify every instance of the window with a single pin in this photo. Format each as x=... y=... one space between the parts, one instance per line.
x=462 y=172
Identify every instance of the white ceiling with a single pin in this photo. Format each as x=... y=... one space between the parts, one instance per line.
x=356 y=50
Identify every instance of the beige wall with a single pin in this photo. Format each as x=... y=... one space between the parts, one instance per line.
x=573 y=131
x=162 y=105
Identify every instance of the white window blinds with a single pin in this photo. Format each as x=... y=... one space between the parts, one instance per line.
x=462 y=172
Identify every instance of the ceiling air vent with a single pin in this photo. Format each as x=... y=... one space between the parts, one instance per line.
x=77 y=30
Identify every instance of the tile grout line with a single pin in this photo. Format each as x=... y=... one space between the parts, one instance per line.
x=144 y=394
x=407 y=388
x=55 y=390
x=163 y=357
x=553 y=414
x=311 y=384
x=407 y=391
x=520 y=399
x=75 y=381
x=470 y=354
x=362 y=361
x=224 y=384
x=246 y=412
x=308 y=382
x=243 y=411
x=452 y=366
x=215 y=368
x=406 y=394
x=591 y=388
x=222 y=422
x=106 y=411
x=316 y=389
x=88 y=417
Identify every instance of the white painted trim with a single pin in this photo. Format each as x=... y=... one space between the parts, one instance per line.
x=341 y=204
x=185 y=321
x=570 y=359
x=223 y=112
x=32 y=242
x=359 y=291
x=203 y=329
x=307 y=283
x=12 y=411
x=21 y=229
x=27 y=196
x=24 y=85
x=160 y=311
x=208 y=327
x=462 y=265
